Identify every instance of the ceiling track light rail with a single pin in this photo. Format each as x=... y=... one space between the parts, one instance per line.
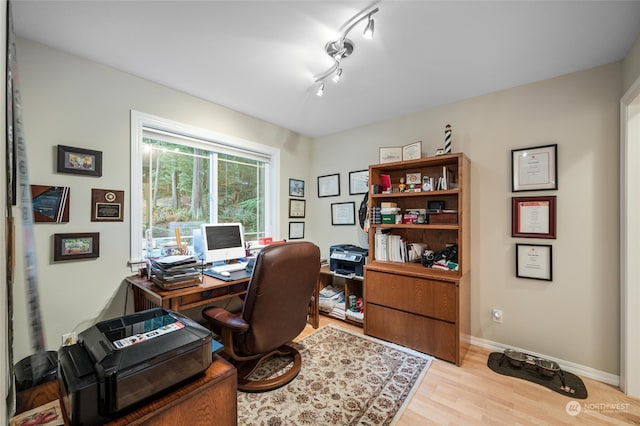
x=343 y=47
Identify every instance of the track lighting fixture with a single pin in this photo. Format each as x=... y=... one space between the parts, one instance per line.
x=342 y=48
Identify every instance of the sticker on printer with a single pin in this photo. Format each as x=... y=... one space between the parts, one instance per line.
x=143 y=337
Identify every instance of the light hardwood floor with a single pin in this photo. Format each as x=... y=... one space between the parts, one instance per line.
x=472 y=394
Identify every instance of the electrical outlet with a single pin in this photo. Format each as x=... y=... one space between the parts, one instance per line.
x=496 y=315
x=69 y=338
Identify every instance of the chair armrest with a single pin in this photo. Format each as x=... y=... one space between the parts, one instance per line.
x=222 y=318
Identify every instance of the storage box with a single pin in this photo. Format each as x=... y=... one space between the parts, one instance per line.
x=389 y=218
x=443 y=218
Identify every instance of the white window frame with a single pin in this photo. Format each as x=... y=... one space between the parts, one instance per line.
x=142 y=122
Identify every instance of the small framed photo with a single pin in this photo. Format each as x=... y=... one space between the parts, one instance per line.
x=296 y=208
x=343 y=213
x=534 y=261
x=413 y=151
x=79 y=161
x=414 y=180
x=296 y=188
x=533 y=217
x=49 y=414
x=107 y=205
x=390 y=154
x=534 y=169
x=329 y=185
x=296 y=230
x=359 y=182
x=76 y=246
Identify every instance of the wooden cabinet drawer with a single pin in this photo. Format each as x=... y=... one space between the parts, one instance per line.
x=212 y=294
x=437 y=338
x=436 y=299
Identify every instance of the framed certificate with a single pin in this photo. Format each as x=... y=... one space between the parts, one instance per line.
x=329 y=185
x=390 y=154
x=534 y=261
x=413 y=151
x=534 y=169
x=533 y=217
x=343 y=213
x=296 y=208
x=358 y=182
x=296 y=230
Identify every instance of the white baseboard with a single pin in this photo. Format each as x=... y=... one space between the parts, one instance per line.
x=580 y=370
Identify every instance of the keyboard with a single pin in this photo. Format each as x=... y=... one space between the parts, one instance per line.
x=230 y=267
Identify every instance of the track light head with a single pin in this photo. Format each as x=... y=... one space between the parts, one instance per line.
x=368 y=31
x=320 y=90
x=337 y=75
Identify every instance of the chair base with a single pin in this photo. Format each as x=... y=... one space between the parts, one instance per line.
x=246 y=368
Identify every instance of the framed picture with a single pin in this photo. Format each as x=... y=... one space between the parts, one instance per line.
x=79 y=161
x=534 y=169
x=329 y=185
x=533 y=217
x=296 y=188
x=343 y=213
x=76 y=246
x=107 y=205
x=534 y=261
x=49 y=414
x=390 y=154
x=413 y=151
x=296 y=208
x=50 y=203
x=359 y=182
x=296 y=230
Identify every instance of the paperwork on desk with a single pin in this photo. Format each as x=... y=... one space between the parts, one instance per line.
x=332 y=301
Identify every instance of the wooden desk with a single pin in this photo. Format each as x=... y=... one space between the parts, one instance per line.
x=147 y=295
x=210 y=399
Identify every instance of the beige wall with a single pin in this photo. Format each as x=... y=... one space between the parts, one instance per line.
x=4 y=385
x=72 y=101
x=631 y=66
x=75 y=102
x=575 y=317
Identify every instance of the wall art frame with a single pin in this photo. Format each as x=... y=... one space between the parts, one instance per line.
x=79 y=161
x=343 y=213
x=329 y=185
x=534 y=261
x=50 y=203
x=296 y=188
x=534 y=168
x=412 y=151
x=296 y=230
x=358 y=182
x=74 y=246
x=297 y=208
x=107 y=205
x=390 y=154
x=533 y=217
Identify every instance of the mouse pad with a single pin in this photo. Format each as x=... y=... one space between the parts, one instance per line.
x=235 y=275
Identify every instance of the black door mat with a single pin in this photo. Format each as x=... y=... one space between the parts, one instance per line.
x=574 y=386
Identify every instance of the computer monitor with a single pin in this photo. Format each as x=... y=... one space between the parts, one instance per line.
x=222 y=241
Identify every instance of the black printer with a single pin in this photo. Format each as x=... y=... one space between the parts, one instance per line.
x=347 y=260
x=121 y=362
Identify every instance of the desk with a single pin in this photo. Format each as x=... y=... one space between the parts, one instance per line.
x=147 y=295
x=209 y=399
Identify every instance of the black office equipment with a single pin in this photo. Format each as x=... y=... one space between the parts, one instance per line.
x=347 y=260
x=119 y=363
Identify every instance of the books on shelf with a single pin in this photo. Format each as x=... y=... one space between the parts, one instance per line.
x=390 y=247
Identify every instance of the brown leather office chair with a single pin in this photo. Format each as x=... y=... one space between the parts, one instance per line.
x=274 y=312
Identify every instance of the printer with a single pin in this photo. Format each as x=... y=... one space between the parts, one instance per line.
x=120 y=362
x=347 y=260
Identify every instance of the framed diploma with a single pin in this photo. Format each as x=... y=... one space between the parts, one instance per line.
x=107 y=205
x=533 y=217
x=534 y=169
x=296 y=208
x=329 y=185
x=343 y=213
x=296 y=230
x=413 y=151
x=534 y=261
x=359 y=182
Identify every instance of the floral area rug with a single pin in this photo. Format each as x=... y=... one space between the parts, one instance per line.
x=346 y=379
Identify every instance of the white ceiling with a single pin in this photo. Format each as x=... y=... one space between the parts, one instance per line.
x=259 y=57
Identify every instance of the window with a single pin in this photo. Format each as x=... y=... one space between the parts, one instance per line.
x=182 y=177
